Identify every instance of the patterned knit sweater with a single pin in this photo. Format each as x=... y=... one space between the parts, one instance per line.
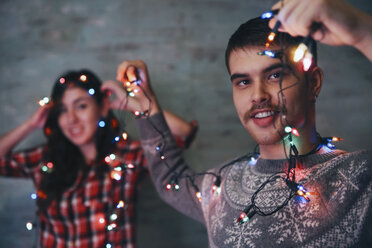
x=339 y=213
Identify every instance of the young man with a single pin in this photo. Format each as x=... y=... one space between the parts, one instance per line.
x=255 y=203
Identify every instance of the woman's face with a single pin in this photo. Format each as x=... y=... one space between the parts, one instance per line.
x=79 y=116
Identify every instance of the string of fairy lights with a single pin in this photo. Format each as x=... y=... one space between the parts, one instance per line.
x=118 y=166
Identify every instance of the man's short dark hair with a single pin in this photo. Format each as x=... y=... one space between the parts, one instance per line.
x=254 y=33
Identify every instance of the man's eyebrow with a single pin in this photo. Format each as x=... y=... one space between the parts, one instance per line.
x=238 y=75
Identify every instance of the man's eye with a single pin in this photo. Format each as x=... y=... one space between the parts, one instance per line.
x=275 y=75
x=243 y=83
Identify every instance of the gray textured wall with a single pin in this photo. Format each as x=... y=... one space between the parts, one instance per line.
x=183 y=43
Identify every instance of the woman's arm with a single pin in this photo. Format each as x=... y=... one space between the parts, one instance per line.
x=13 y=137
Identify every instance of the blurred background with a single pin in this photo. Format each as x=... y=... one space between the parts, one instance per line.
x=183 y=43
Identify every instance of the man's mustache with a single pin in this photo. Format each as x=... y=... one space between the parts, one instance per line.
x=264 y=105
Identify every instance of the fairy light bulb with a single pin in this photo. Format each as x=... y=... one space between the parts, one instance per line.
x=29 y=226
x=33 y=196
x=62 y=80
x=131 y=94
x=124 y=135
x=101 y=220
x=129 y=166
x=168 y=186
x=116 y=175
x=198 y=195
x=303 y=192
x=44 y=101
x=107 y=159
x=108 y=245
x=117 y=138
x=113 y=217
x=295 y=132
x=287 y=129
x=101 y=124
x=162 y=157
x=242 y=218
x=307 y=61
x=127 y=84
x=83 y=78
x=120 y=204
x=216 y=188
x=300 y=52
x=91 y=91
x=112 y=156
x=336 y=139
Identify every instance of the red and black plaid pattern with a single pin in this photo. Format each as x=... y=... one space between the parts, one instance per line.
x=81 y=217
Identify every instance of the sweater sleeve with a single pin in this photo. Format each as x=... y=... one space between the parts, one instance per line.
x=166 y=165
x=21 y=163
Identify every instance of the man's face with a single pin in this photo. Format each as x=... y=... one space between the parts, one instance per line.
x=259 y=101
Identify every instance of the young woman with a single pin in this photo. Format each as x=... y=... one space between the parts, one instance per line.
x=86 y=173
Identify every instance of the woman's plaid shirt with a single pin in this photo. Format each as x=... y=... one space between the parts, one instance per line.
x=81 y=217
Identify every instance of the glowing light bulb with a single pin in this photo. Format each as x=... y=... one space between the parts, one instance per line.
x=168 y=186
x=120 y=204
x=83 y=78
x=127 y=84
x=271 y=36
x=50 y=165
x=112 y=156
x=162 y=157
x=131 y=94
x=44 y=101
x=125 y=136
x=137 y=113
x=267 y=15
x=101 y=220
x=44 y=168
x=108 y=246
x=295 y=132
x=287 y=129
x=117 y=138
x=307 y=61
x=300 y=52
x=116 y=175
x=29 y=226
x=303 y=192
x=176 y=187
x=198 y=195
x=130 y=166
x=91 y=91
x=107 y=159
x=101 y=124
x=242 y=218
x=157 y=148
x=62 y=80
x=336 y=139
x=113 y=217
x=33 y=196
x=135 y=91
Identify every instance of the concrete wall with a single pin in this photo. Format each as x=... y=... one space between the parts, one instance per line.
x=183 y=43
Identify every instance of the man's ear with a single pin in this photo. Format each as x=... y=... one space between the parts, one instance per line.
x=315 y=82
x=105 y=108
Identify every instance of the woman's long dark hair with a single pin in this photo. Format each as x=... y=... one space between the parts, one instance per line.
x=66 y=157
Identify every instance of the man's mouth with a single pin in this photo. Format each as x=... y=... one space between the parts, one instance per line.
x=265 y=114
